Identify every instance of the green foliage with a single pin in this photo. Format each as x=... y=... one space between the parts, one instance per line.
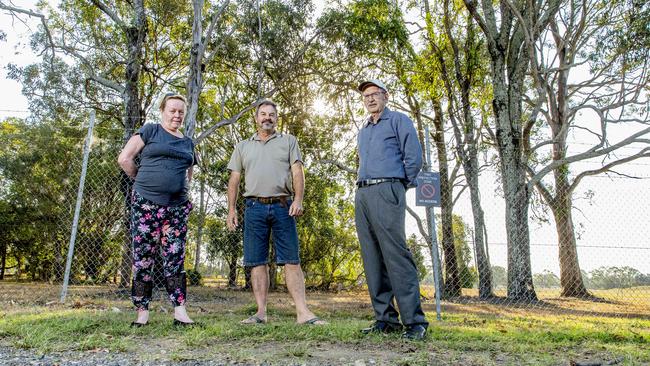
x=616 y=277
x=40 y=171
x=546 y=279
x=223 y=243
x=367 y=25
x=39 y=167
x=624 y=35
x=194 y=277
x=329 y=247
x=34 y=162
x=416 y=246
x=468 y=275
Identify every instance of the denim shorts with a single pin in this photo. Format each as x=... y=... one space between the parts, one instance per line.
x=260 y=220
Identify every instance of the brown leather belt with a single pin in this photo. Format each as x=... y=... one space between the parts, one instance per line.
x=270 y=200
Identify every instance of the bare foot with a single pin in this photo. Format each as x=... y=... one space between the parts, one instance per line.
x=311 y=319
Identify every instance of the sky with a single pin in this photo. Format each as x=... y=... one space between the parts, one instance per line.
x=16 y=50
x=613 y=225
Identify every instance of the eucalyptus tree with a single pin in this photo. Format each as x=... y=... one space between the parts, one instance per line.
x=510 y=27
x=263 y=49
x=452 y=68
x=77 y=30
x=201 y=53
x=611 y=38
x=202 y=42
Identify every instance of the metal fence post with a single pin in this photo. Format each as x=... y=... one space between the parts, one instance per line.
x=80 y=192
x=437 y=269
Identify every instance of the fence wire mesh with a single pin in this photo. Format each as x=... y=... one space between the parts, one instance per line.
x=602 y=263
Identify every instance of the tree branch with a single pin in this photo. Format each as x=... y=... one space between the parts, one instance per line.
x=338 y=165
x=418 y=220
x=213 y=22
x=645 y=153
x=268 y=94
x=13 y=9
x=591 y=153
x=110 y=14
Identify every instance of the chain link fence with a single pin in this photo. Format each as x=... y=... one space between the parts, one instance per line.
x=40 y=177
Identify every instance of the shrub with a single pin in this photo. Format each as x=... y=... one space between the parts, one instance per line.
x=194 y=277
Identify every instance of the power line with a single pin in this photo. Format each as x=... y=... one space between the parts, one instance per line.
x=577 y=246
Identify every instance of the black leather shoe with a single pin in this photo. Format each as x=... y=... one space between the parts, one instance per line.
x=415 y=332
x=382 y=327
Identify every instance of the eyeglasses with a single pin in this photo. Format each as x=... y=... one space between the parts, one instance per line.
x=374 y=95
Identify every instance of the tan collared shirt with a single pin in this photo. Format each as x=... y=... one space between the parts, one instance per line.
x=266 y=165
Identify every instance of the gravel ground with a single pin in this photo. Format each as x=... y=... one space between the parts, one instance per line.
x=10 y=356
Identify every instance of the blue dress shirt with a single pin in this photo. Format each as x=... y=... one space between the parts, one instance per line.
x=389 y=149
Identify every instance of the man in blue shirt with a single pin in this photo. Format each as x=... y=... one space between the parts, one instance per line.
x=390 y=158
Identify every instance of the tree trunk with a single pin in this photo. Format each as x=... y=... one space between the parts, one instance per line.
x=505 y=35
x=509 y=138
x=466 y=142
x=232 y=272
x=516 y=195
x=570 y=275
x=195 y=77
x=471 y=168
x=200 y=224
x=482 y=262
x=133 y=118
x=3 y=261
x=452 y=278
x=520 y=278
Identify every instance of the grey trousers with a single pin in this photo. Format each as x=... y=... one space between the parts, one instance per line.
x=388 y=263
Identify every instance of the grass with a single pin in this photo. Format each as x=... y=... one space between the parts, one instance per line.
x=468 y=333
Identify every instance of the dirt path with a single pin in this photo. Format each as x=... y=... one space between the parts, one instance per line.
x=320 y=354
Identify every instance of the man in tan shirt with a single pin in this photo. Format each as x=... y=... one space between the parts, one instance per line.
x=273 y=172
